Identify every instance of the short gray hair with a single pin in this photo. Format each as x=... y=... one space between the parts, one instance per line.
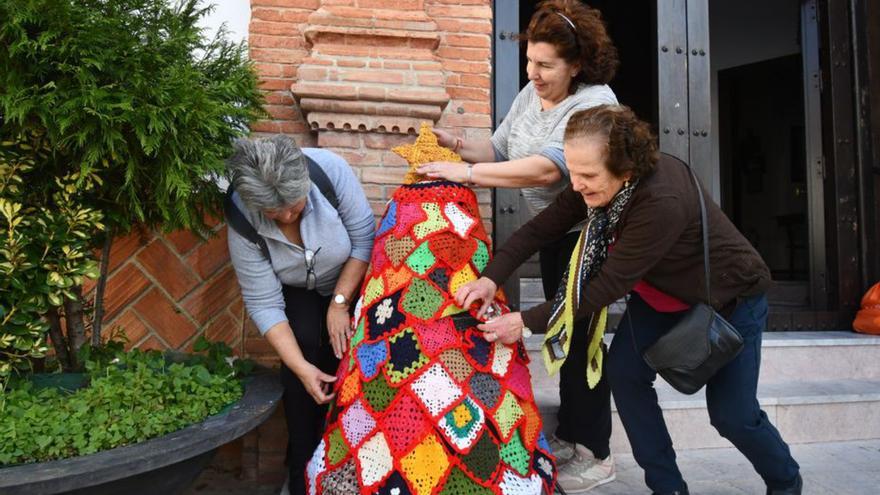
x=268 y=173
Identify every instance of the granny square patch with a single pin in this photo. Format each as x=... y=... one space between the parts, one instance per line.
x=436 y=389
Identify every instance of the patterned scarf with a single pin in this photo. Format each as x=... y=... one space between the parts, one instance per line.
x=587 y=258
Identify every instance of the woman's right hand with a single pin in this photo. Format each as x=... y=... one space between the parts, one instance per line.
x=482 y=289
x=445 y=139
x=317 y=383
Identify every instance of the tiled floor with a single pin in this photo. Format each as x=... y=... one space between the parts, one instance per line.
x=840 y=468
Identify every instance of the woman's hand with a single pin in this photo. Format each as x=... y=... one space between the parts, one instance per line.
x=338 y=328
x=451 y=171
x=482 y=289
x=506 y=328
x=445 y=139
x=317 y=383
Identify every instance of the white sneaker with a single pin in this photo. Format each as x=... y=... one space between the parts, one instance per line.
x=285 y=490
x=562 y=450
x=583 y=472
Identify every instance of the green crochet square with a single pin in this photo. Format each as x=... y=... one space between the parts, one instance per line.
x=422 y=300
x=337 y=449
x=459 y=483
x=481 y=256
x=421 y=260
x=483 y=459
x=515 y=455
x=379 y=393
x=507 y=414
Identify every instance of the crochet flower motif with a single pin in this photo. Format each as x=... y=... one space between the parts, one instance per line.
x=384 y=311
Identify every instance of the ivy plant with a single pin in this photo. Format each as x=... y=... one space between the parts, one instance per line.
x=131 y=397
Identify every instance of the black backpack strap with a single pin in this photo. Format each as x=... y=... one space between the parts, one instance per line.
x=236 y=219
x=320 y=179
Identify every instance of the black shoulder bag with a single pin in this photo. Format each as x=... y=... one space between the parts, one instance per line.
x=236 y=219
x=701 y=343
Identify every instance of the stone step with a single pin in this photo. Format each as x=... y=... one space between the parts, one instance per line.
x=802 y=390
x=793 y=356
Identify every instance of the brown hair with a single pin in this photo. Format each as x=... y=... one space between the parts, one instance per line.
x=586 y=43
x=632 y=147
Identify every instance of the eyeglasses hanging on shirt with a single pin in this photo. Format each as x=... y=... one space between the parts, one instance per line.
x=311 y=278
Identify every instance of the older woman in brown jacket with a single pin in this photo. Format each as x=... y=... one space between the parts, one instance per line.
x=644 y=240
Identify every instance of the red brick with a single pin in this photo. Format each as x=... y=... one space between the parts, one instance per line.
x=463 y=53
x=430 y=79
x=371 y=76
x=307 y=4
x=279 y=98
x=282 y=112
x=123 y=287
x=457 y=26
x=279 y=15
x=460 y=11
x=362 y=157
x=476 y=80
x=462 y=93
x=269 y=41
x=165 y=318
x=151 y=344
x=475 y=107
x=469 y=40
x=130 y=325
x=357 y=63
x=467 y=67
x=212 y=255
x=167 y=269
x=275 y=84
x=275 y=28
x=397 y=4
x=386 y=141
x=270 y=70
x=375 y=192
x=331 y=139
x=465 y=120
x=182 y=240
x=125 y=247
x=278 y=55
x=383 y=175
x=224 y=328
x=213 y=297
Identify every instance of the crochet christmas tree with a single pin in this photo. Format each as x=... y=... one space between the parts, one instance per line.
x=424 y=404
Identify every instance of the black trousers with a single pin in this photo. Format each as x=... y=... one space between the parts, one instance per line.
x=307 y=312
x=584 y=413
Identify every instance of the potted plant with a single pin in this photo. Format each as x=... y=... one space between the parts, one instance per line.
x=114 y=115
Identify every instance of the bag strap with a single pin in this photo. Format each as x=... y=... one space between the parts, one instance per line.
x=704 y=226
x=236 y=219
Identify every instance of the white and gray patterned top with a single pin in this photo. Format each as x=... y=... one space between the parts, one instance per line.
x=340 y=234
x=529 y=130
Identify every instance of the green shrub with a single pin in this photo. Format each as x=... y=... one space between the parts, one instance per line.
x=131 y=397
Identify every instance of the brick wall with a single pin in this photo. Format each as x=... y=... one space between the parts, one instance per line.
x=354 y=76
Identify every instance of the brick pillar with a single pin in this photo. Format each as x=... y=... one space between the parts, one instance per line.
x=358 y=77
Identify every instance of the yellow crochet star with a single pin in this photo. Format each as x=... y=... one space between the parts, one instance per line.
x=426 y=149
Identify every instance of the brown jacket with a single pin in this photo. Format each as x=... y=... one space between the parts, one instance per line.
x=658 y=241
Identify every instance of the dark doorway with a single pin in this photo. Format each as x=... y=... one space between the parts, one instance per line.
x=761 y=117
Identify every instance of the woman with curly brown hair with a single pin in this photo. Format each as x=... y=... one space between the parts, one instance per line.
x=571 y=60
x=644 y=239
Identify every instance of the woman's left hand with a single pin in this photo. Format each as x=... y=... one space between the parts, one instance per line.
x=339 y=328
x=451 y=171
x=507 y=328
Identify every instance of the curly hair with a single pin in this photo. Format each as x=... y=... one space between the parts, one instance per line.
x=632 y=146
x=584 y=42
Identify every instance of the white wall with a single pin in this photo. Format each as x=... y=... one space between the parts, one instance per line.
x=235 y=13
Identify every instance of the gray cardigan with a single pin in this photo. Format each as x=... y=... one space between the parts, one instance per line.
x=340 y=234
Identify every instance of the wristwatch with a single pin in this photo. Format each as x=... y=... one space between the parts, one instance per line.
x=340 y=299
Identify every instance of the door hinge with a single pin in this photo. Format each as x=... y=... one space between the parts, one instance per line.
x=820 y=167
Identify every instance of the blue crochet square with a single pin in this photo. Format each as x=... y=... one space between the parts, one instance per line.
x=388 y=220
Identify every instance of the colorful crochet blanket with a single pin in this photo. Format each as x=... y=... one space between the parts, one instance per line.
x=424 y=404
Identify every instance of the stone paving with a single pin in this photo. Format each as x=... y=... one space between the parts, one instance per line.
x=839 y=468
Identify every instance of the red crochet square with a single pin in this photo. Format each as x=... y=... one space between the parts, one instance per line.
x=404 y=423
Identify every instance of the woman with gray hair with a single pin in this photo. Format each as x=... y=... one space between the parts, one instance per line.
x=299 y=257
